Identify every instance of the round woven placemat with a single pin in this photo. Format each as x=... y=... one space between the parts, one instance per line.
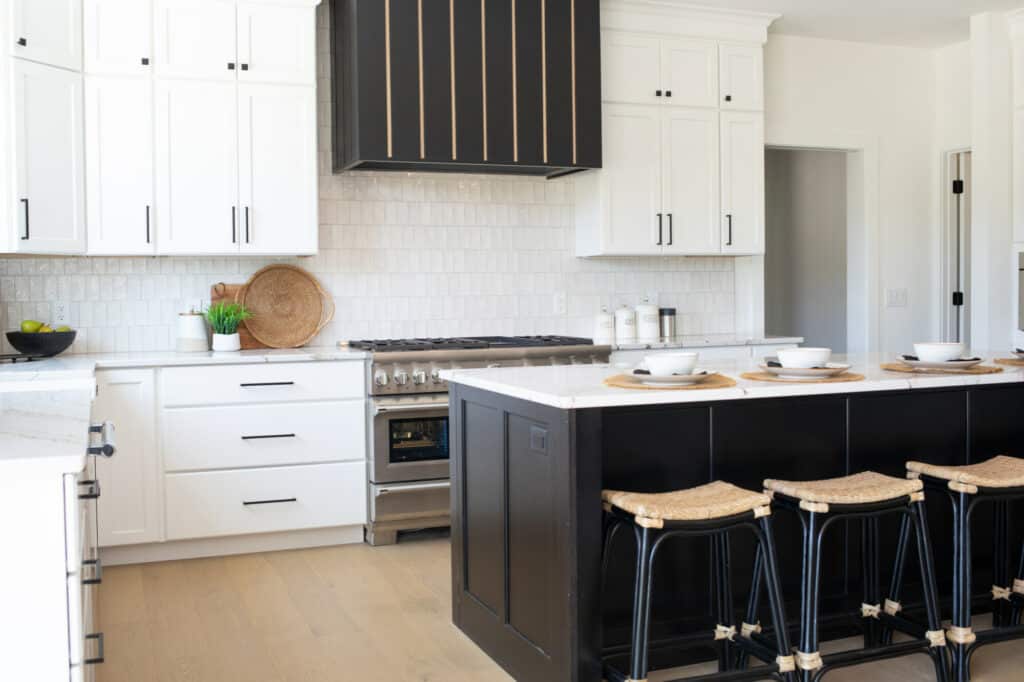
x=288 y=306
x=907 y=369
x=1010 y=362
x=767 y=376
x=626 y=381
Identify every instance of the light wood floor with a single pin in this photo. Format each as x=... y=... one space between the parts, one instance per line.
x=336 y=614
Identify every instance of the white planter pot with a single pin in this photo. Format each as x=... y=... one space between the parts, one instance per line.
x=226 y=342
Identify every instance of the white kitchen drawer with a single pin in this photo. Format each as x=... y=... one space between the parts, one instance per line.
x=217 y=503
x=235 y=436
x=263 y=383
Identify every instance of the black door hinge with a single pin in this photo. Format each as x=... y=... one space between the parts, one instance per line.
x=958 y=187
x=958 y=298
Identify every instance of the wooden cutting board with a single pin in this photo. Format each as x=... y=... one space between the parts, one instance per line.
x=227 y=293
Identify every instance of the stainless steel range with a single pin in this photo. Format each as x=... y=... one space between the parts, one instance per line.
x=408 y=417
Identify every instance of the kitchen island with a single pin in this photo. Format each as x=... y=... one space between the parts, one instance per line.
x=532 y=448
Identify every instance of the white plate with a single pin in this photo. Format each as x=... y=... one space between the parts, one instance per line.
x=1019 y=354
x=831 y=369
x=697 y=377
x=951 y=364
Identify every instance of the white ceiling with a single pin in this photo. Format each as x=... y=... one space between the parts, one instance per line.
x=918 y=23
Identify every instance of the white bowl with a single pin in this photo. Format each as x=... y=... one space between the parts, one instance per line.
x=667 y=364
x=939 y=352
x=804 y=358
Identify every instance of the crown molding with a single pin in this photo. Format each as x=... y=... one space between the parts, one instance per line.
x=670 y=16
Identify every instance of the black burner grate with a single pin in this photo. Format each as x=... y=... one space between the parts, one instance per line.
x=395 y=345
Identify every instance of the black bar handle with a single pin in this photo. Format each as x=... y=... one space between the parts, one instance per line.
x=107 y=446
x=246 y=224
x=659 y=229
x=234 y=224
x=670 y=229
x=147 y=225
x=25 y=202
x=98 y=637
x=250 y=503
x=728 y=219
x=97 y=572
x=267 y=383
x=268 y=436
x=92 y=493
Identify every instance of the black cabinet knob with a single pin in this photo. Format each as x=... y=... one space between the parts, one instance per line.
x=145 y=61
x=657 y=93
x=668 y=93
x=245 y=67
x=231 y=66
x=22 y=42
x=728 y=98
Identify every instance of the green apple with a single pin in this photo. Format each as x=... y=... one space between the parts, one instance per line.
x=30 y=326
x=46 y=329
x=63 y=328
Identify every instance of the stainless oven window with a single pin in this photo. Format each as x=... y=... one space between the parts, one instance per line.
x=421 y=439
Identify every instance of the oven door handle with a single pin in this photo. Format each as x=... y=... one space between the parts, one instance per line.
x=384 y=409
x=412 y=488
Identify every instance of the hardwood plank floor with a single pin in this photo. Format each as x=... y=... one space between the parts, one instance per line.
x=337 y=614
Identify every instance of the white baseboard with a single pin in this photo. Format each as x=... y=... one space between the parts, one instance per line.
x=235 y=544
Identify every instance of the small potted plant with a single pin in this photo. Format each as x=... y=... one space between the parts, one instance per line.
x=224 y=318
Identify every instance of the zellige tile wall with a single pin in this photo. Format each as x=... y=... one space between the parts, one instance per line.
x=402 y=254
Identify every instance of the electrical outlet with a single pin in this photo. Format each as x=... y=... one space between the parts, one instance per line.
x=60 y=314
x=559 y=303
x=896 y=298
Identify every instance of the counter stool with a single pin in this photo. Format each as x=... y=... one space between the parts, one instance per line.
x=708 y=510
x=867 y=496
x=998 y=481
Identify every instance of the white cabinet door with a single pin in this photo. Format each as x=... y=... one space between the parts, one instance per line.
x=118 y=36
x=195 y=39
x=49 y=32
x=742 y=182
x=119 y=165
x=630 y=68
x=130 y=507
x=741 y=75
x=690 y=72
x=278 y=169
x=49 y=211
x=632 y=180
x=691 y=181
x=196 y=167
x=276 y=44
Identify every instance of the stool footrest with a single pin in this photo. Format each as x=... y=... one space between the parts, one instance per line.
x=856 y=656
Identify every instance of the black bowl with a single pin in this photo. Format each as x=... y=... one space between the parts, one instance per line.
x=43 y=345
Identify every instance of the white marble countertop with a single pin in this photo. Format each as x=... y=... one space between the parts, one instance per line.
x=581 y=386
x=712 y=341
x=44 y=423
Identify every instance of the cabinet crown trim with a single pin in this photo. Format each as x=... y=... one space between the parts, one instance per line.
x=668 y=17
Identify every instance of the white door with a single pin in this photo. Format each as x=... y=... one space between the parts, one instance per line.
x=690 y=72
x=277 y=44
x=634 y=223
x=277 y=169
x=119 y=165
x=690 y=180
x=49 y=212
x=195 y=39
x=742 y=221
x=196 y=167
x=118 y=36
x=741 y=76
x=49 y=32
x=631 y=68
x=130 y=506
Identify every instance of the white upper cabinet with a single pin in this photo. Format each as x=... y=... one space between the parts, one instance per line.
x=742 y=155
x=690 y=181
x=276 y=43
x=118 y=36
x=49 y=208
x=278 y=167
x=630 y=67
x=741 y=77
x=196 y=39
x=197 y=167
x=119 y=165
x=48 y=32
x=690 y=72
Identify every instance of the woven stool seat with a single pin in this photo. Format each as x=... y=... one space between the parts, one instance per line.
x=998 y=472
x=717 y=500
x=863 y=488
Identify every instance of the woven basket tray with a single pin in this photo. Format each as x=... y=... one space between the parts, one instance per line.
x=907 y=369
x=288 y=305
x=768 y=376
x=625 y=381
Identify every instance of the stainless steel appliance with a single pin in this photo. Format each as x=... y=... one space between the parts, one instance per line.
x=408 y=417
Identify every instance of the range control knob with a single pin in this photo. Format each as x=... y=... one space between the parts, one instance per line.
x=435 y=376
x=419 y=377
x=380 y=377
x=401 y=377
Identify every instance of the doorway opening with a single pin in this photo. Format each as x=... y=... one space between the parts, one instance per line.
x=806 y=229
x=956 y=247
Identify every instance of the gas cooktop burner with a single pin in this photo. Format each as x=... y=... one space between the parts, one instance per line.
x=18 y=357
x=394 y=345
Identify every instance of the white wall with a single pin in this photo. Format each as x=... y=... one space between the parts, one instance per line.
x=952 y=65
x=824 y=93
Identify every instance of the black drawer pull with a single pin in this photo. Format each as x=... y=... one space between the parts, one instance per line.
x=251 y=503
x=97 y=572
x=93 y=492
x=99 y=649
x=267 y=383
x=272 y=435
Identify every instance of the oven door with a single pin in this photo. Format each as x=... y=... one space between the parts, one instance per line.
x=410 y=439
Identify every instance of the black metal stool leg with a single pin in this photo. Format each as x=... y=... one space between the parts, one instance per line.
x=871 y=588
x=899 y=566
x=642 y=606
x=808 y=657
x=925 y=558
x=773 y=585
x=723 y=593
x=1000 y=563
x=960 y=634
x=754 y=601
x=1018 y=586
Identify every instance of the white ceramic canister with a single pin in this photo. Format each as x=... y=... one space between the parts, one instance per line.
x=192 y=336
x=648 y=326
x=625 y=325
x=604 y=328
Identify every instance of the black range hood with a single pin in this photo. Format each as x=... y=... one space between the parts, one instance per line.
x=478 y=86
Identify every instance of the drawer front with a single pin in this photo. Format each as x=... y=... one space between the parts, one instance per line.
x=263 y=383
x=214 y=503
x=236 y=436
